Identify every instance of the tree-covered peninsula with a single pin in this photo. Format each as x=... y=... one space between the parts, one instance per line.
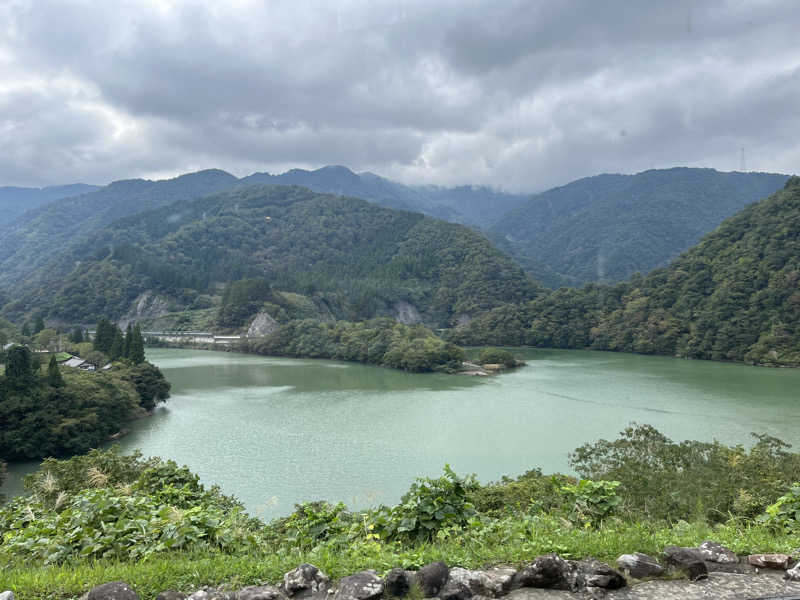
x=53 y=410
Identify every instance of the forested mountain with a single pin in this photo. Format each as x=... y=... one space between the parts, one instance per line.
x=606 y=228
x=476 y=206
x=41 y=234
x=734 y=296
x=16 y=200
x=355 y=259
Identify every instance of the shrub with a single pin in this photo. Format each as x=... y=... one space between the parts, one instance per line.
x=497 y=356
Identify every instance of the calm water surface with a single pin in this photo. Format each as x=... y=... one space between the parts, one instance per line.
x=277 y=431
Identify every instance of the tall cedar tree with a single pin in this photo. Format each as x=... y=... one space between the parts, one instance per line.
x=54 y=378
x=136 y=350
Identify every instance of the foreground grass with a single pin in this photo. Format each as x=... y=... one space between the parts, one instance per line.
x=510 y=541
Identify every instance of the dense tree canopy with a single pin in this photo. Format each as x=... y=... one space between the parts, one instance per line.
x=358 y=258
x=734 y=296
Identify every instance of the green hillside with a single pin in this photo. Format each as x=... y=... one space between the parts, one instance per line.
x=353 y=259
x=14 y=201
x=39 y=235
x=608 y=227
x=734 y=296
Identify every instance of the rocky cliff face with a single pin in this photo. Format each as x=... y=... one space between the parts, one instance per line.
x=147 y=306
x=263 y=324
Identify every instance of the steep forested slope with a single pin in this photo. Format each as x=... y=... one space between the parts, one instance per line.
x=356 y=257
x=606 y=228
x=16 y=200
x=734 y=296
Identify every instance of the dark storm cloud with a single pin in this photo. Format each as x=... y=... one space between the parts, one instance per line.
x=520 y=95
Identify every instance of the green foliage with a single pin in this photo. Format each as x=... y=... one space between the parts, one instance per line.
x=130 y=510
x=429 y=506
x=662 y=479
x=76 y=335
x=785 y=512
x=532 y=492
x=592 y=501
x=497 y=356
x=735 y=296
x=382 y=342
x=312 y=523
x=150 y=384
x=67 y=412
x=135 y=346
x=357 y=259
x=241 y=300
x=19 y=373
x=54 y=378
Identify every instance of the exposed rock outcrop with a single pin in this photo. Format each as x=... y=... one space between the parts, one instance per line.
x=148 y=305
x=406 y=313
x=263 y=324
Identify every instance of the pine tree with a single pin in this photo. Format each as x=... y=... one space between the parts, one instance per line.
x=136 y=351
x=26 y=330
x=126 y=347
x=38 y=324
x=117 y=346
x=54 y=378
x=76 y=337
x=19 y=368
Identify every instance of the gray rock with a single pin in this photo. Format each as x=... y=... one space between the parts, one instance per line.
x=406 y=313
x=398 y=582
x=432 y=578
x=597 y=574
x=304 y=581
x=548 y=571
x=793 y=574
x=364 y=585
x=688 y=560
x=260 y=592
x=212 y=594
x=455 y=590
x=171 y=595
x=9 y=595
x=263 y=324
x=502 y=579
x=639 y=565
x=770 y=561
x=714 y=552
x=115 y=590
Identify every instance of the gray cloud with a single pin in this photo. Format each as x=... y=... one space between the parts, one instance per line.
x=521 y=95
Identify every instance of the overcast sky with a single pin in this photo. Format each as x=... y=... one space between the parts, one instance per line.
x=518 y=95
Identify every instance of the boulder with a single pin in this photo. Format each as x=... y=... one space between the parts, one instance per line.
x=364 y=585
x=770 y=561
x=597 y=574
x=714 y=552
x=115 y=590
x=455 y=590
x=7 y=595
x=477 y=582
x=260 y=592
x=502 y=579
x=304 y=581
x=398 y=582
x=211 y=594
x=171 y=595
x=263 y=324
x=432 y=578
x=688 y=560
x=639 y=565
x=548 y=571
x=792 y=574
